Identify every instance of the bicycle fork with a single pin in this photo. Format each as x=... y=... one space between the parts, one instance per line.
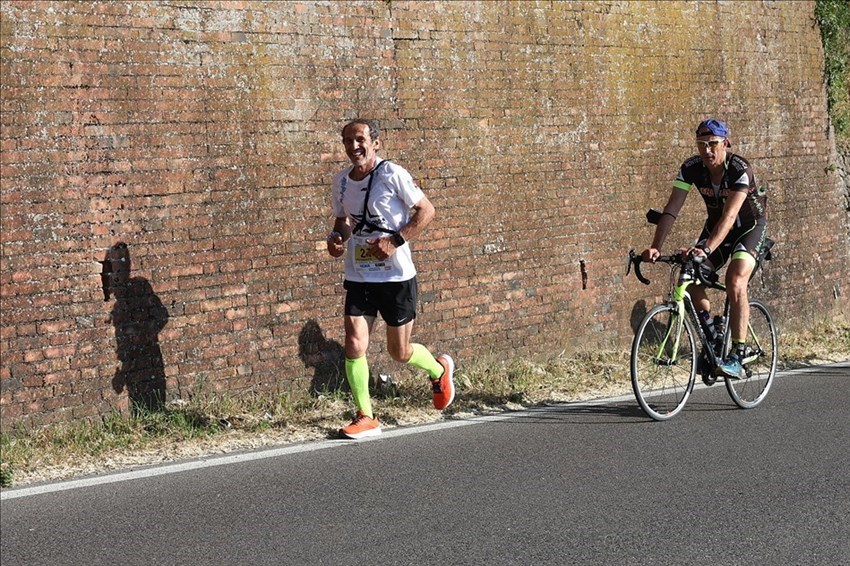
x=668 y=353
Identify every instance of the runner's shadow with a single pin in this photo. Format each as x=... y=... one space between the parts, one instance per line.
x=326 y=357
x=138 y=316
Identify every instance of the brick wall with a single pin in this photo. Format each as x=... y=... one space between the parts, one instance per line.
x=203 y=135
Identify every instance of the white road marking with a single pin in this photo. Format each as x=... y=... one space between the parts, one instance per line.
x=162 y=470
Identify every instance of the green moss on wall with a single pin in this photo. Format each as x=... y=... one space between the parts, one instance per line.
x=833 y=16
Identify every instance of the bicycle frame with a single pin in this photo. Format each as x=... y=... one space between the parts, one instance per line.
x=665 y=358
x=681 y=299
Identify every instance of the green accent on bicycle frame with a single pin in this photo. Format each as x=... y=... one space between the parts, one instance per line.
x=756 y=341
x=682 y=185
x=677 y=321
x=679 y=294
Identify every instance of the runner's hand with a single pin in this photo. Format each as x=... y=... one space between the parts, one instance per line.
x=381 y=248
x=336 y=246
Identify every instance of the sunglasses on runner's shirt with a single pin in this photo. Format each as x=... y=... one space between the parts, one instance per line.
x=713 y=144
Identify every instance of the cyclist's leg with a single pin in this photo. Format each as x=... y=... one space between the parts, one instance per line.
x=702 y=304
x=737 y=277
x=699 y=298
x=747 y=243
x=744 y=253
x=715 y=261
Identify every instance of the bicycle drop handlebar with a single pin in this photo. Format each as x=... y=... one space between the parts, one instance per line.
x=700 y=272
x=636 y=260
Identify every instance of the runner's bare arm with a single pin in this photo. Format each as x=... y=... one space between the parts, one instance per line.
x=339 y=235
x=424 y=213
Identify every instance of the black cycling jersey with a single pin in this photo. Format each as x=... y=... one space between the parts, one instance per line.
x=737 y=178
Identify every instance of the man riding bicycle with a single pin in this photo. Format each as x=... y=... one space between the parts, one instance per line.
x=735 y=228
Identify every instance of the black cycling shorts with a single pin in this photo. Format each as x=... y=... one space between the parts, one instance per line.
x=748 y=238
x=395 y=301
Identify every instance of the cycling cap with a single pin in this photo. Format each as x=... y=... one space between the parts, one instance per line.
x=712 y=128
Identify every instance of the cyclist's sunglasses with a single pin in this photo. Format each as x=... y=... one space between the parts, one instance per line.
x=713 y=144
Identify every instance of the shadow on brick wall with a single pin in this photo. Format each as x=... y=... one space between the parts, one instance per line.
x=326 y=357
x=138 y=317
x=639 y=310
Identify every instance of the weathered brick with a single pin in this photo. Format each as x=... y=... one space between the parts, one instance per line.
x=205 y=139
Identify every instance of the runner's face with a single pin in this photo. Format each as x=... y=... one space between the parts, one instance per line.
x=360 y=148
x=712 y=149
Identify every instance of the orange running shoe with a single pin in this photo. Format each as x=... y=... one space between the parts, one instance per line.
x=444 y=388
x=361 y=427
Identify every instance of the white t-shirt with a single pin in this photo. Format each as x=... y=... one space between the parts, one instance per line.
x=392 y=196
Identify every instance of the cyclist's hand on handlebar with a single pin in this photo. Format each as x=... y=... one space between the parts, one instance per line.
x=695 y=253
x=650 y=255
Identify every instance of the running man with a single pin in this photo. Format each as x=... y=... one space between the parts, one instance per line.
x=378 y=209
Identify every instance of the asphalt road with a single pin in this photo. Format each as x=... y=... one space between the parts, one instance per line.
x=572 y=484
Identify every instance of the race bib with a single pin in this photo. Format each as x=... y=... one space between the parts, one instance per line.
x=364 y=260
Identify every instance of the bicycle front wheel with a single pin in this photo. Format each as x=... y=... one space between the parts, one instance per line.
x=663 y=362
x=760 y=361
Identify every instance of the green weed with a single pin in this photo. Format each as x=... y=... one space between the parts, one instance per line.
x=833 y=17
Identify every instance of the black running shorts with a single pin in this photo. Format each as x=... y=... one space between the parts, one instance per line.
x=395 y=301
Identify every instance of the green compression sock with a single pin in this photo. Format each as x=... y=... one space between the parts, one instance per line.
x=357 y=372
x=423 y=359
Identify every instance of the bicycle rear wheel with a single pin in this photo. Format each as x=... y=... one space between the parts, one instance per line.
x=663 y=362
x=760 y=363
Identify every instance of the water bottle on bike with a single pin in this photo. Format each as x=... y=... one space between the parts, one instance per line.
x=707 y=325
x=719 y=324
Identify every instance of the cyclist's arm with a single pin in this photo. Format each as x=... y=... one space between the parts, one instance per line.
x=665 y=224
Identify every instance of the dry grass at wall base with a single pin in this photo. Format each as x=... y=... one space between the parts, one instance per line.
x=209 y=425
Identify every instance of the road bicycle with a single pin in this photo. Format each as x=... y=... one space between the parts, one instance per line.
x=665 y=358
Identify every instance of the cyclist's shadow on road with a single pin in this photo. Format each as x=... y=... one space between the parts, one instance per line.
x=138 y=317
x=326 y=357
x=579 y=413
